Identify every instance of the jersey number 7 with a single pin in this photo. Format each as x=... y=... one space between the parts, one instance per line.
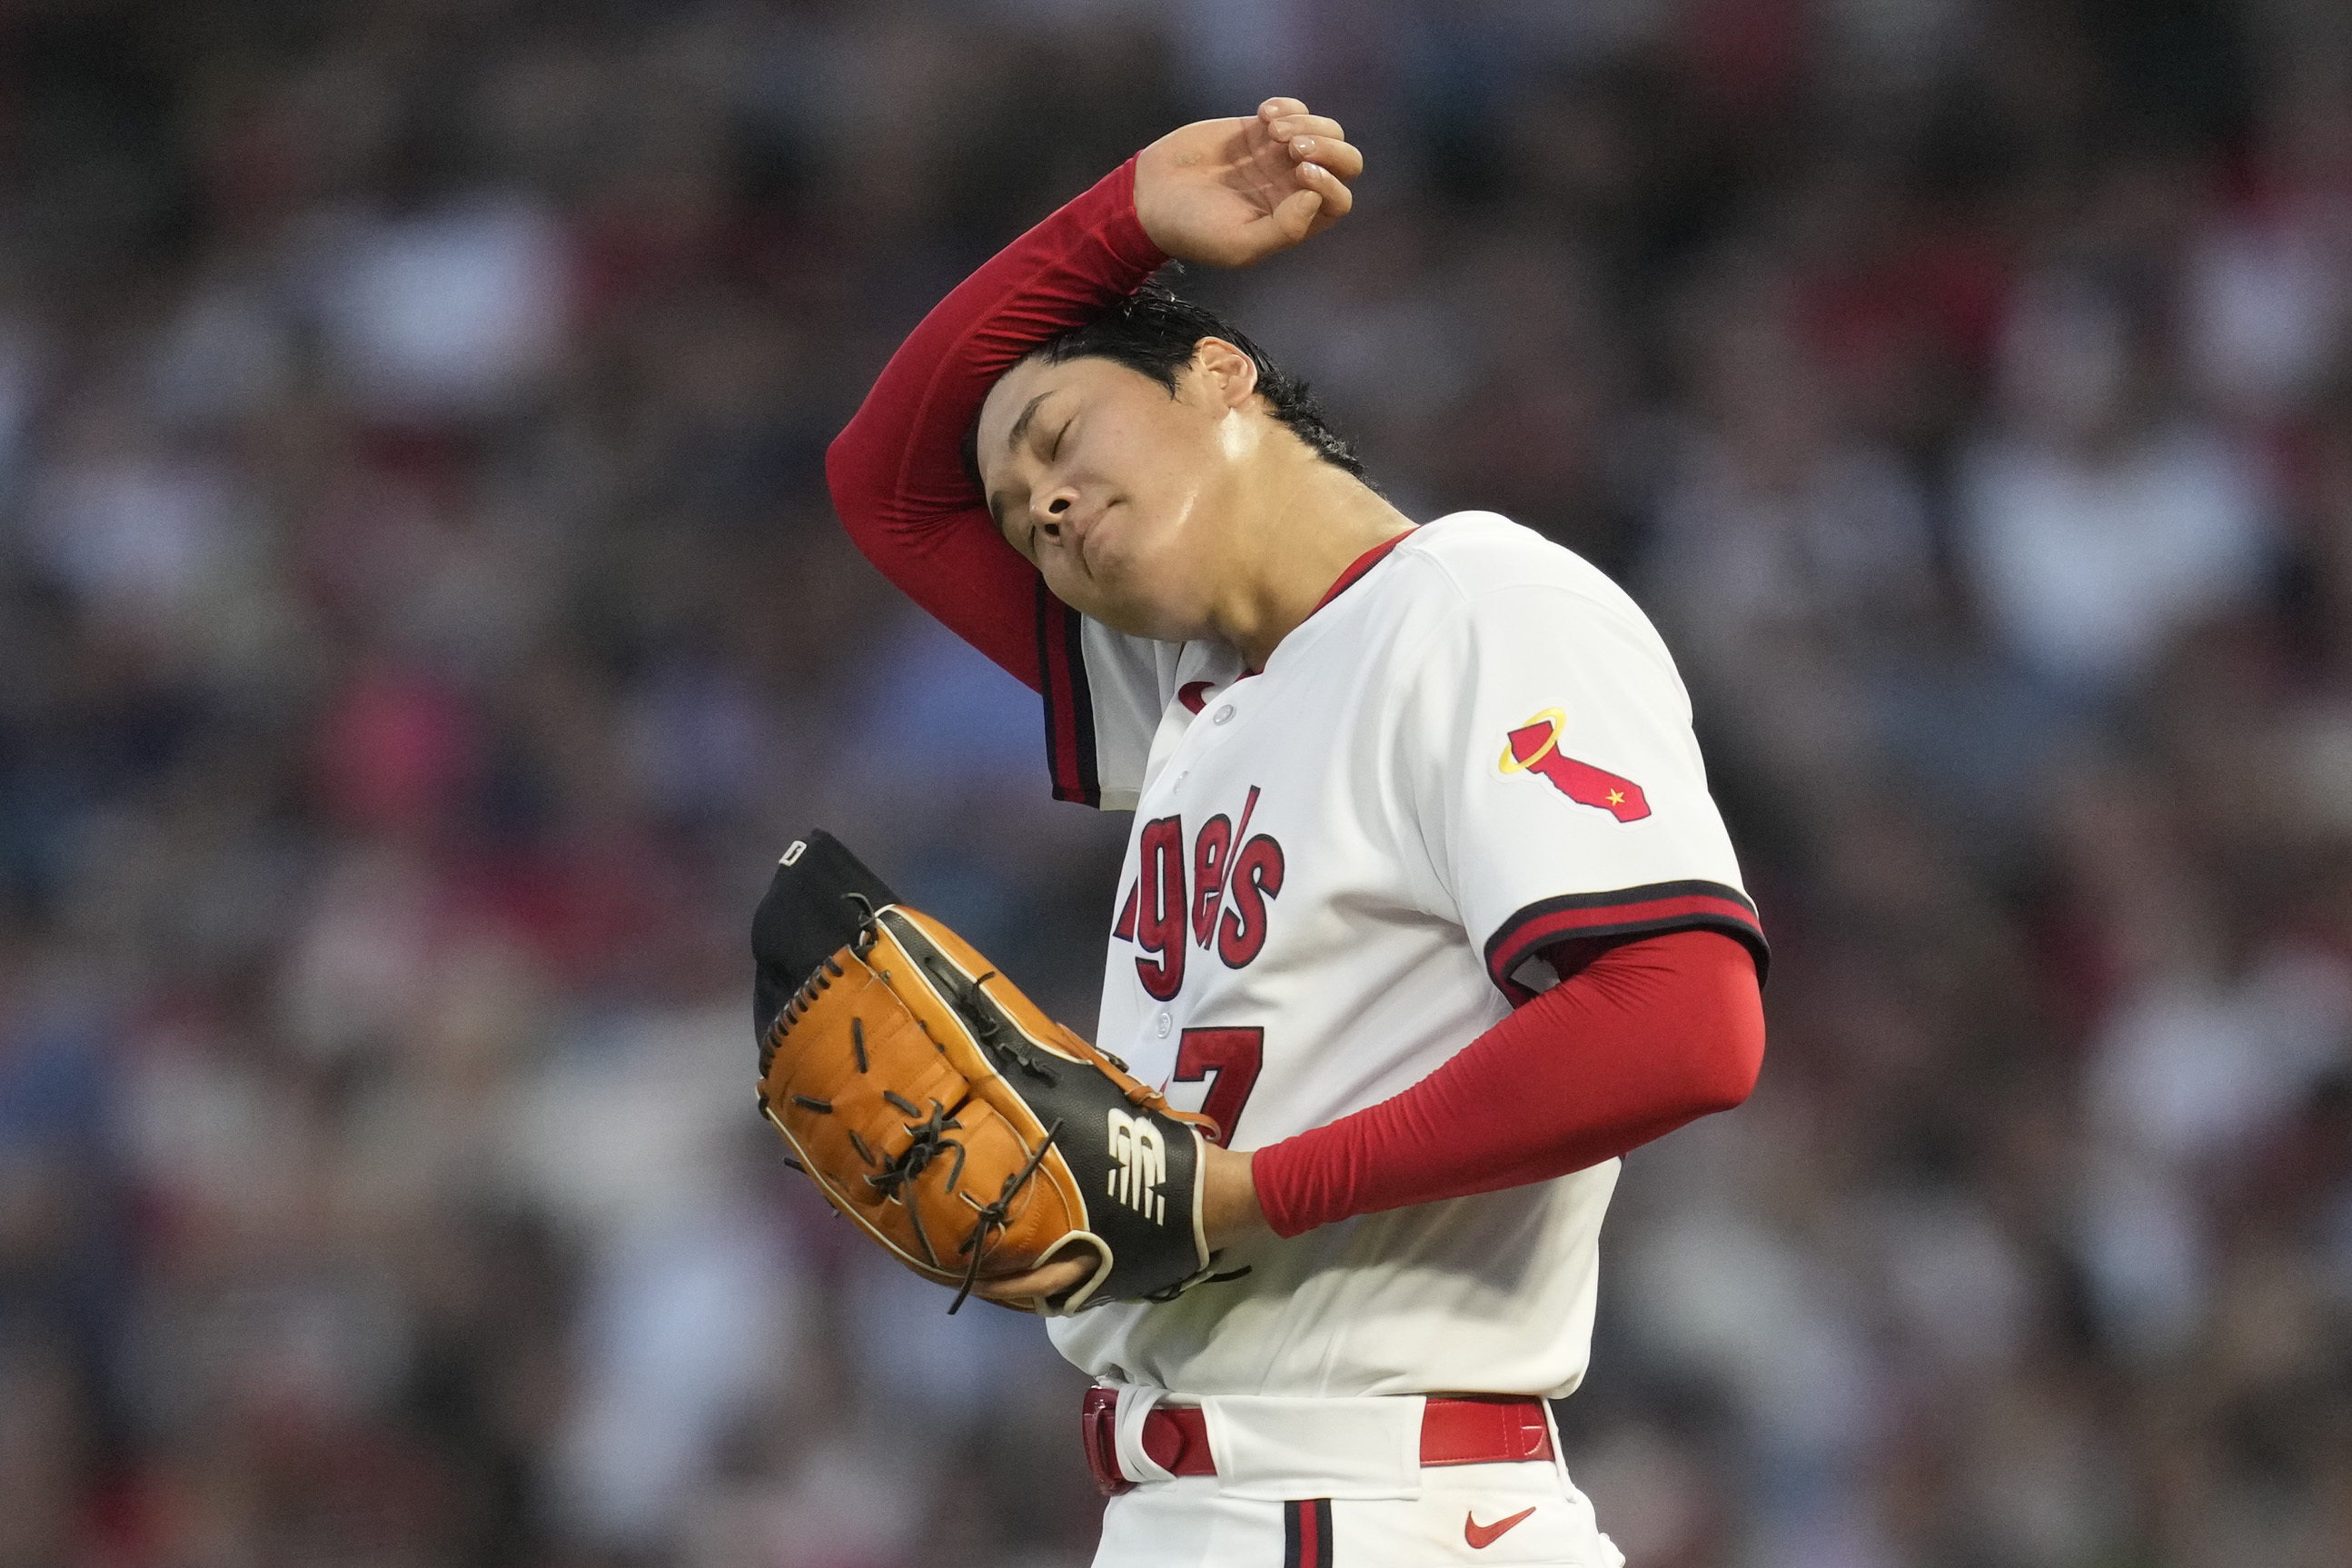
x=1234 y=1055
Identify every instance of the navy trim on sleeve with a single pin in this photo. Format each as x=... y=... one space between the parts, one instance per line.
x=1069 y=703
x=1624 y=912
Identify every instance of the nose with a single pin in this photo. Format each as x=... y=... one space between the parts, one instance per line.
x=1053 y=507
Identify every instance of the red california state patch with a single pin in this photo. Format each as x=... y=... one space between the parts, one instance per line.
x=1534 y=748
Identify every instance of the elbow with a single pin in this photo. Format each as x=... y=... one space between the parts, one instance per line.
x=1728 y=1079
x=860 y=485
x=1720 y=1080
x=1727 y=1040
x=841 y=479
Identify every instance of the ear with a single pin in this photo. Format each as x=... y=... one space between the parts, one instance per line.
x=1229 y=376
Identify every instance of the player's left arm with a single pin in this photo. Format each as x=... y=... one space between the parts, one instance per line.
x=1643 y=1036
x=1555 y=785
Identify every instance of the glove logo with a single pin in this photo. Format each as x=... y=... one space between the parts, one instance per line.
x=1140 y=1157
x=1534 y=748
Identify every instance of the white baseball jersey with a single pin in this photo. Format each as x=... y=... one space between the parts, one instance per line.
x=1338 y=872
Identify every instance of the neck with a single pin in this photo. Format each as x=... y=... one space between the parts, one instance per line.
x=1306 y=523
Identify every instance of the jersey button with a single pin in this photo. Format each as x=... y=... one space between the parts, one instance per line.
x=1163 y=1024
x=1221 y=714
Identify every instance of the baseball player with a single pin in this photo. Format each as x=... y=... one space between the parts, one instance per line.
x=1425 y=904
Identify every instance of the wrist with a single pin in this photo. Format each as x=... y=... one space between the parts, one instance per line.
x=1123 y=231
x=1229 y=1205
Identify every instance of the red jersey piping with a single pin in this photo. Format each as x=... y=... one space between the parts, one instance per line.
x=1358 y=567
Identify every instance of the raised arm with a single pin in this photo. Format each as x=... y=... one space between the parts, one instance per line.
x=1224 y=193
x=896 y=472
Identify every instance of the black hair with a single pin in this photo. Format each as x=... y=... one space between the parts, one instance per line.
x=1154 y=333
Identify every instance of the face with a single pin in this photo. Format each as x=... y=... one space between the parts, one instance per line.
x=1116 y=491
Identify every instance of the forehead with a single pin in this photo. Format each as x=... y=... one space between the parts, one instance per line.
x=1084 y=379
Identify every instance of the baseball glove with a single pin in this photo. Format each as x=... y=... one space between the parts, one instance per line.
x=933 y=1103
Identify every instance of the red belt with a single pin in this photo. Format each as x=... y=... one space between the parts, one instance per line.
x=1495 y=1430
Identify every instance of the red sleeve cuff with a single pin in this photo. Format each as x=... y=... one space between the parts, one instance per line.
x=1122 y=229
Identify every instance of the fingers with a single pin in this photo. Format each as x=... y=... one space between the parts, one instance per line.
x=1318 y=138
x=1296 y=125
x=1334 y=199
x=1294 y=219
x=1051 y=1280
x=1324 y=201
x=1286 y=116
x=1340 y=157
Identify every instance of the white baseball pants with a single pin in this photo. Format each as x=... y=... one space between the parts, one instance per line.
x=1287 y=1505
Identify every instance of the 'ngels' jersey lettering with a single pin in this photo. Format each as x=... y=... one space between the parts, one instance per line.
x=1257 y=877
x=1227 y=905
x=1159 y=925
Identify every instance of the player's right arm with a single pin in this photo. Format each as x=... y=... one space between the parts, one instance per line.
x=1222 y=192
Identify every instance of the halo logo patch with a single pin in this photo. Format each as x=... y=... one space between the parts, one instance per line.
x=1534 y=748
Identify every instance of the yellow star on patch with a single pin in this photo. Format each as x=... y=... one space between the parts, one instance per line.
x=1616 y=797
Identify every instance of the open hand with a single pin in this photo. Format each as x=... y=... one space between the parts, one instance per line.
x=1228 y=193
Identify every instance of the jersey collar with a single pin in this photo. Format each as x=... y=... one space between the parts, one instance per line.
x=1358 y=567
x=1348 y=579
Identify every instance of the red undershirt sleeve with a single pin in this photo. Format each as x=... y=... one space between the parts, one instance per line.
x=896 y=472
x=1641 y=1037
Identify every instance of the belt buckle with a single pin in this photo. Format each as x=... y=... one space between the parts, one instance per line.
x=1099 y=1433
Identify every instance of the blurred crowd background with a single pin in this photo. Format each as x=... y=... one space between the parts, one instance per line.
x=422 y=623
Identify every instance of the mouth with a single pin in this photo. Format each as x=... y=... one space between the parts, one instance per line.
x=1082 y=534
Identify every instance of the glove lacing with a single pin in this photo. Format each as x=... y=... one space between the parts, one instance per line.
x=994 y=1216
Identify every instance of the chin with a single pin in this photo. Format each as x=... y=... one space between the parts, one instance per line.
x=1140 y=618
x=1141 y=606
